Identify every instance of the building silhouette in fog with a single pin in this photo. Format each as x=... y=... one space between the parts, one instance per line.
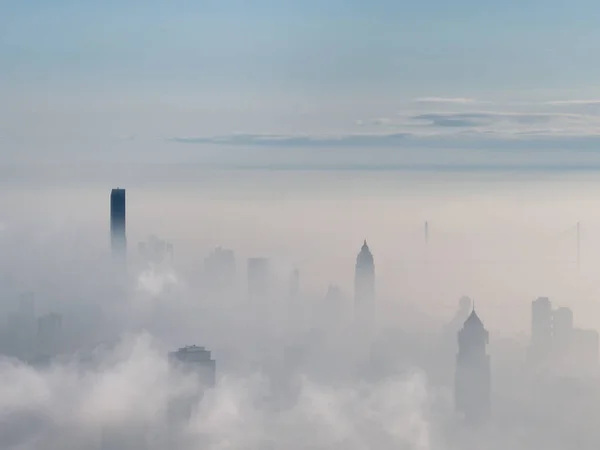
x=472 y=391
x=364 y=286
x=258 y=278
x=118 y=238
x=19 y=338
x=21 y=327
x=541 y=331
x=557 y=347
x=585 y=350
x=195 y=362
x=562 y=333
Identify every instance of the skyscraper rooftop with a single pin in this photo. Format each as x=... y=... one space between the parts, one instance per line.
x=118 y=236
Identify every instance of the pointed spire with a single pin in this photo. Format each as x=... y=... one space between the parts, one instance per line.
x=365 y=256
x=473 y=319
x=365 y=247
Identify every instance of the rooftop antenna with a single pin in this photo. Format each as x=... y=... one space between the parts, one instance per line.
x=578 y=247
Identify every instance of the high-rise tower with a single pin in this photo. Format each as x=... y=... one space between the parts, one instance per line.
x=364 y=285
x=540 y=351
x=472 y=387
x=118 y=239
x=197 y=364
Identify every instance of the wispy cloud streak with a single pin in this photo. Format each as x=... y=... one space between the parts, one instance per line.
x=454 y=100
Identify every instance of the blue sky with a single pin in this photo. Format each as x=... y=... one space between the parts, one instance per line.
x=79 y=71
x=428 y=45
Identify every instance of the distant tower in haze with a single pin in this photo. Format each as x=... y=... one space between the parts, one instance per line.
x=364 y=285
x=472 y=388
x=540 y=351
x=118 y=239
x=194 y=362
x=562 y=334
x=198 y=361
x=578 y=246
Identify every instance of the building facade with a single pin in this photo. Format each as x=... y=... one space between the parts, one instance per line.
x=196 y=362
x=118 y=237
x=473 y=377
x=364 y=286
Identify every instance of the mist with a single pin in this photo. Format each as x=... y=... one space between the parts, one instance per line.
x=296 y=367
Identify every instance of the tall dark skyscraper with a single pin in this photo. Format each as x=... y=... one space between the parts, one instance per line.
x=472 y=393
x=118 y=238
x=364 y=286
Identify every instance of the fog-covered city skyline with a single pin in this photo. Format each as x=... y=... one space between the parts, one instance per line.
x=182 y=290
x=230 y=225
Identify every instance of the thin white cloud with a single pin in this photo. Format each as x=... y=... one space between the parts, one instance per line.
x=573 y=102
x=380 y=121
x=436 y=127
x=455 y=100
x=478 y=118
x=304 y=140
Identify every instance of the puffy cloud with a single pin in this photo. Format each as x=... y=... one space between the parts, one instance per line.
x=154 y=281
x=126 y=398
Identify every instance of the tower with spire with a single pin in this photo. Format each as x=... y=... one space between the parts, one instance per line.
x=473 y=378
x=364 y=286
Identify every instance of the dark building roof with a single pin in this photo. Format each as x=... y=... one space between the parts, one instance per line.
x=365 y=255
x=473 y=320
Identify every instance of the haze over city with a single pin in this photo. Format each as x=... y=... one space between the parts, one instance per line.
x=294 y=225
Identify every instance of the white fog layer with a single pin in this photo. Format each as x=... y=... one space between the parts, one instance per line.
x=214 y=309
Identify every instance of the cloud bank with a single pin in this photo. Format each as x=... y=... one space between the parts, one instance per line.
x=527 y=126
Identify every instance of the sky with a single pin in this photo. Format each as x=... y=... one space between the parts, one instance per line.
x=149 y=81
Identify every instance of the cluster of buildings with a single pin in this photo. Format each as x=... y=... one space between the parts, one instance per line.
x=555 y=342
x=28 y=336
x=472 y=387
x=557 y=346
